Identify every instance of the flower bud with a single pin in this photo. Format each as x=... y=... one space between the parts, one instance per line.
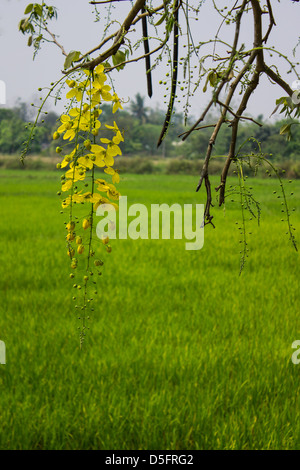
x=80 y=249
x=98 y=262
x=70 y=237
x=85 y=224
x=105 y=240
x=70 y=226
x=74 y=263
x=71 y=252
x=87 y=144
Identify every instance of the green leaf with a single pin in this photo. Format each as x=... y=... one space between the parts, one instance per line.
x=161 y=20
x=28 y=9
x=169 y=25
x=25 y=26
x=38 y=9
x=21 y=25
x=286 y=129
x=71 y=57
x=118 y=58
x=281 y=100
x=29 y=41
x=213 y=78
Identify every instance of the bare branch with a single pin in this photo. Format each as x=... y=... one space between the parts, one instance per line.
x=272 y=22
x=55 y=41
x=119 y=38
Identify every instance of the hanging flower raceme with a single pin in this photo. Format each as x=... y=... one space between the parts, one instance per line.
x=90 y=153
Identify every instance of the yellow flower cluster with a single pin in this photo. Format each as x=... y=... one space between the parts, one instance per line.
x=80 y=128
x=85 y=119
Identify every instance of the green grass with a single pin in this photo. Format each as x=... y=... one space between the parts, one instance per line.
x=182 y=352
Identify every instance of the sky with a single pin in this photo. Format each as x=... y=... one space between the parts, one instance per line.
x=76 y=29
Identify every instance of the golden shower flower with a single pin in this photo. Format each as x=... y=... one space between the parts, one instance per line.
x=116 y=103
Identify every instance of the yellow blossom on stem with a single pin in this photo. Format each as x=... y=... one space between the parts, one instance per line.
x=116 y=103
x=81 y=122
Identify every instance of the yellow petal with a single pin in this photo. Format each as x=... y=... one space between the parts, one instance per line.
x=109 y=171
x=67 y=185
x=86 y=161
x=116 y=178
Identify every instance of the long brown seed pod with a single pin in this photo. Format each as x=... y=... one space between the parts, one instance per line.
x=174 y=76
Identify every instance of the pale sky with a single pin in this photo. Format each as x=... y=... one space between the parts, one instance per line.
x=77 y=30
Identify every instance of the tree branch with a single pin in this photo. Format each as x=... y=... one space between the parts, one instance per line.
x=119 y=39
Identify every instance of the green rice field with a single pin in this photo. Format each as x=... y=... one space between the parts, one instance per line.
x=182 y=351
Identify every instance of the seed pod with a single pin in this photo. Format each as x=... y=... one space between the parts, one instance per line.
x=78 y=240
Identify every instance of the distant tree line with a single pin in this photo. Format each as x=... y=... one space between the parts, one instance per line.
x=142 y=126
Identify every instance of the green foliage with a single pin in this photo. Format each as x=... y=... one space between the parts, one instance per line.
x=141 y=136
x=14 y=129
x=71 y=57
x=141 y=127
x=36 y=22
x=120 y=57
x=136 y=165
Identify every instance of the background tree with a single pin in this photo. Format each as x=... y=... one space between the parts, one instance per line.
x=138 y=108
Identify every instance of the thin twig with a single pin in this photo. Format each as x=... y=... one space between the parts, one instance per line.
x=55 y=41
